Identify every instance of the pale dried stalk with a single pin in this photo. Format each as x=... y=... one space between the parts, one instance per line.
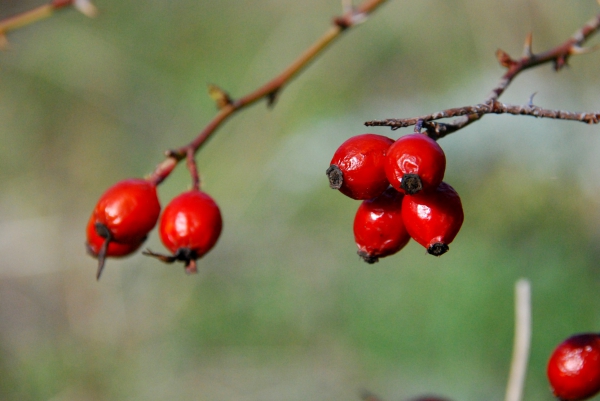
x=522 y=341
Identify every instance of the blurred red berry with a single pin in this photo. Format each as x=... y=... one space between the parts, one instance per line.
x=433 y=218
x=129 y=210
x=356 y=168
x=415 y=162
x=378 y=227
x=122 y=218
x=189 y=227
x=574 y=367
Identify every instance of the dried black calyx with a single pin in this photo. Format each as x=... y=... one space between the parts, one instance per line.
x=370 y=259
x=336 y=177
x=411 y=183
x=438 y=249
x=102 y=230
x=185 y=255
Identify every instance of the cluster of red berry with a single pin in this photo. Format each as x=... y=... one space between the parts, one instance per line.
x=574 y=367
x=189 y=226
x=400 y=184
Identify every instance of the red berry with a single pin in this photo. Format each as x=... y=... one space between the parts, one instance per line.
x=189 y=227
x=574 y=367
x=115 y=249
x=378 y=227
x=129 y=210
x=122 y=219
x=433 y=218
x=357 y=166
x=415 y=162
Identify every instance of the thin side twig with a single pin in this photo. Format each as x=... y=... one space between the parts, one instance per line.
x=269 y=91
x=43 y=11
x=522 y=341
x=558 y=55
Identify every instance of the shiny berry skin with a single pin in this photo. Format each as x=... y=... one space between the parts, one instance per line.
x=415 y=162
x=129 y=210
x=433 y=218
x=356 y=168
x=115 y=249
x=190 y=226
x=378 y=227
x=574 y=367
x=122 y=219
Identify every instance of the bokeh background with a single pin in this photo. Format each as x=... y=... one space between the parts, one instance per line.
x=283 y=309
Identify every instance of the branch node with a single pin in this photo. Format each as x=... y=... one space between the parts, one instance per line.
x=504 y=59
x=221 y=98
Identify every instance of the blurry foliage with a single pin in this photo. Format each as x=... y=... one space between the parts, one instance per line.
x=283 y=308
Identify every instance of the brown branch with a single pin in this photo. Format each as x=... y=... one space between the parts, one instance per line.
x=269 y=91
x=558 y=55
x=41 y=12
x=479 y=110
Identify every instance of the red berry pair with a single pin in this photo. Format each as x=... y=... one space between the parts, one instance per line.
x=365 y=165
x=124 y=215
x=419 y=204
x=574 y=367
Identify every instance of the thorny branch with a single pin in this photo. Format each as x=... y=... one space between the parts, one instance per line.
x=558 y=55
x=269 y=91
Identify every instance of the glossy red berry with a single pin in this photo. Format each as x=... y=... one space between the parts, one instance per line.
x=415 y=162
x=122 y=218
x=129 y=210
x=433 y=218
x=378 y=227
x=189 y=227
x=356 y=168
x=574 y=367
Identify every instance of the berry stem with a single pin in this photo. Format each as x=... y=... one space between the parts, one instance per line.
x=193 y=169
x=268 y=91
x=522 y=341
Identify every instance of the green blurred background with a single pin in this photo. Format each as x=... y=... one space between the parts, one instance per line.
x=283 y=309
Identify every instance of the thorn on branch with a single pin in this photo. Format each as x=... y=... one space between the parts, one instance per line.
x=419 y=126
x=560 y=62
x=530 y=103
x=342 y=22
x=527 y=48
x=272 y=98
x=576 y=50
